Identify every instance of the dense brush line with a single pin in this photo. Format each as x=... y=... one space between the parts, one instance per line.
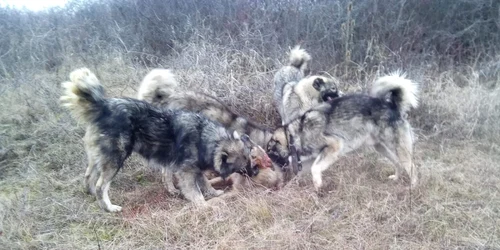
x=150 y=30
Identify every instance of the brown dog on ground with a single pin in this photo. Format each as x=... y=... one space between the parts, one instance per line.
x=267 y=178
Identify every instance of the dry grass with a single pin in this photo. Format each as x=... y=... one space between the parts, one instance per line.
x=43 y=204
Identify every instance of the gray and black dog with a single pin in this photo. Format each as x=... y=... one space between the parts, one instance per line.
x=295 y=92
x=161 y=89
x=186 y=143
x=335 y=128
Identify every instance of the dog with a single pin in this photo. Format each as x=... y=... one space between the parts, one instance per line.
x=184 y=142
x=290 y=75
x=306 y=94
x=267 y=178
x=295 y=93
x=161 y=89
x=333 y=129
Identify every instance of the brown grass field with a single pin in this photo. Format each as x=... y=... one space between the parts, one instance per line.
x=457 y=205
x=42 y=162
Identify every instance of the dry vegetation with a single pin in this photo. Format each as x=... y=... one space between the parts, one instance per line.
x=232 y=49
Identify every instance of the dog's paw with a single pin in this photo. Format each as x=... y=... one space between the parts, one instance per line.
x=114 y=209
x=174 y=192
x=216 y=203
x=90 y=191
x=318 y=185
x=394 y=177
x=218 y=193
x=212 y=193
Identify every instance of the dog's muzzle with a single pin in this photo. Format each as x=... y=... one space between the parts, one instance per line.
x=249 y=170
x=254 y=172
x=329 y=95
x=224 y=174
x=278 y=159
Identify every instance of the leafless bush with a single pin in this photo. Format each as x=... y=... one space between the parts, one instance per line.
x=360 y=35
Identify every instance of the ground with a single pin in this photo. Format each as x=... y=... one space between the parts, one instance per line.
x=457 y=205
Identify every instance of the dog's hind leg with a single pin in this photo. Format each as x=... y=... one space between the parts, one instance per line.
x=92 y=161
x=389 y=154
x=325 y=159
x=191 y=182
x=91 y=174
x=168 y=181
x=404 y=150
x=102 y=187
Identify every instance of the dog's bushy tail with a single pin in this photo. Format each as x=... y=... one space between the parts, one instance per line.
x=404 y=92
x=157 y=85
x=299 y=58
x=83 y=95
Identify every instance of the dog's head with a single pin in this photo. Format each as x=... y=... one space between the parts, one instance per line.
x=277 y=147
x=259 y=158
x=233 y=156
x=327 y=88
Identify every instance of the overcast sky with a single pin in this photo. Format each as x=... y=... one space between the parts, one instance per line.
x=33 y=4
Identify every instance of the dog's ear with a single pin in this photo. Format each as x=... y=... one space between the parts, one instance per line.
x=247 y=141
x=224 y=170
x=236 y=135
x=223 y=157
x=317 y=83
x=245 y=138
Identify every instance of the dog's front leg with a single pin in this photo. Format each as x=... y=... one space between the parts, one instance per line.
x=324 y=160
x=207 y=188
x=189 y=183
x=239 y=181
x=168 y=181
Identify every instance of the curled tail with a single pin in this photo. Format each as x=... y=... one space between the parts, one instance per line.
x=157 y=86
x=299 y=58
x=404 y=92
x=290 y=75
x=83 y=95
